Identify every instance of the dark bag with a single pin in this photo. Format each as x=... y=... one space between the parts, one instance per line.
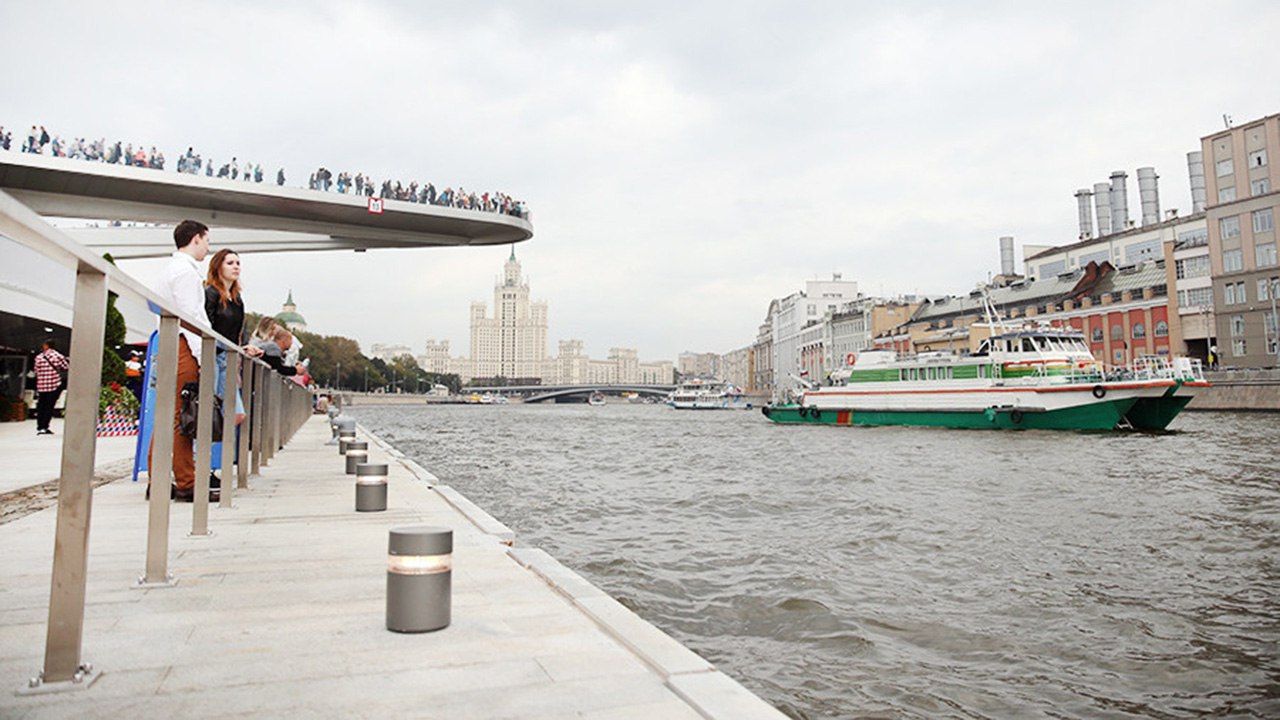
x=191 y=410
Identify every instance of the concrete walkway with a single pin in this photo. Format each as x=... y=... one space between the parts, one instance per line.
x=280 y=613
x=32 y=459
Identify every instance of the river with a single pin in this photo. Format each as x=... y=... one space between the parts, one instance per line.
x=900 y=572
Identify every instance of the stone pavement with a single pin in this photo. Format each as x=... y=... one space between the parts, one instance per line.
x=280 y=613
x=30 y=459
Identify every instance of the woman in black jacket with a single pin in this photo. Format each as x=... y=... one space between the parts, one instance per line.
x=225 y=308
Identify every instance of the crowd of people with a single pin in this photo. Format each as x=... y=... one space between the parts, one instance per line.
x=425 y=194
x=39 y=141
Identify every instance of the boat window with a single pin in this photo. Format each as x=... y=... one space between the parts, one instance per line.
x=1028 y=345
x=984 y=348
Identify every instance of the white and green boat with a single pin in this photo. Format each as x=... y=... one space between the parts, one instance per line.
x=1032 y=378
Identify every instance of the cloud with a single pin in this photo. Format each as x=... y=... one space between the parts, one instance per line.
x=685 y=163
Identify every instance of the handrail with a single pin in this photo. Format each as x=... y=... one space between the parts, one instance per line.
x=272 y=403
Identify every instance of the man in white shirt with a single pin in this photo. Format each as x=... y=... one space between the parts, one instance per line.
x=181 y=287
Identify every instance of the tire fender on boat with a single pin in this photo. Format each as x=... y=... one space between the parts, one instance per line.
x=804 y=411
x=1015 y=417
x=1099 y=391
x=815 y=413
x=765 y=411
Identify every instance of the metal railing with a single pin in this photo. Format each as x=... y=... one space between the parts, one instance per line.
x=275 y=408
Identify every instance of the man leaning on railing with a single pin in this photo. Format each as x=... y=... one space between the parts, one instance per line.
x=180 y=286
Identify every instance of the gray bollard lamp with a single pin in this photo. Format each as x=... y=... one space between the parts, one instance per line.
x=419 y=579
x=354 y=459
x=371 y=487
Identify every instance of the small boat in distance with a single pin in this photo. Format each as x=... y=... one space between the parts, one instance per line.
x=700 y=394
x=596 y=398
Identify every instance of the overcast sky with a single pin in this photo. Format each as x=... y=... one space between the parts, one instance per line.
x=685 y=162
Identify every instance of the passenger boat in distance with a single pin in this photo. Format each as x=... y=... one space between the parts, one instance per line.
x=596 y=399
x=1024 y=378
x=700 y=394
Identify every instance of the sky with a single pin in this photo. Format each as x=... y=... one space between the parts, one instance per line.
x=685 y=163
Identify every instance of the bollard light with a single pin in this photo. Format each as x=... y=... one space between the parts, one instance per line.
x=371 y=487
x=354 y=458
x=348 y=445
x=343 y=439
x=419 y=578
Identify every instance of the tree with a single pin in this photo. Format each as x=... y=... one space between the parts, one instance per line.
x=112 y=338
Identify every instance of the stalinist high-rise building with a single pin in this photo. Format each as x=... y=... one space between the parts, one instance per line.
x=513 y=343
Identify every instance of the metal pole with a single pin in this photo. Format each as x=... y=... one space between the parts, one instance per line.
x=204 y=436
x=268 y=403
x=256 y=431
x=242 y=467
x=230 y=392
x=75 y=485
x=161 y=466
x=338 y=380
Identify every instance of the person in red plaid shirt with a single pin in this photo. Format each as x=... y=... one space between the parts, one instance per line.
x=49 y=363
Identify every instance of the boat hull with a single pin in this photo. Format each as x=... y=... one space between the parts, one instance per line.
x=1103 y=415
x=1155 y=413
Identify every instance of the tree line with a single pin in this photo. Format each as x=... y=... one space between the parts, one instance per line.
x=337 y=362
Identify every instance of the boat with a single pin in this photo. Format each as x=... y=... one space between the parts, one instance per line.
x=1019 y=378
x=700 y=394
x=596 y=398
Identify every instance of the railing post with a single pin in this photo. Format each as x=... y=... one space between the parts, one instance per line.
x=204 y=437
x=242 y=467
x=75 y=486
x=230 y=392
x=277 y=410
x=161 y=464
x=259 y=414
x=264 y=431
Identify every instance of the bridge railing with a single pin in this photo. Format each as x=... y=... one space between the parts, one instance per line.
x=276 y=408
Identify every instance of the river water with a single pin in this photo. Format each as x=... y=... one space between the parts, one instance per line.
x=900 y=572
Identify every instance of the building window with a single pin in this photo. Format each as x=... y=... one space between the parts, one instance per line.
x=1117 y=332
x=1238 y=348
x=1195 y=297
x=1260 y=187
x=1192 y=267
x=1097 y=334
x=1051 y=269
x=1139 y=331
x=1162 y=329
x=1265 y=254
x=1258 y=158
x=1138 y=252
x=1226 y=167
x=1232 y=260
x=1263 y=220
x=1229 y=227
x=1226 y=194
x=1193 y=238
x=1237 y=325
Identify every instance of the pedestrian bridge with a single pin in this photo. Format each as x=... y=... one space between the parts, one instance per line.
x=252 y=217
x=541 y=393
